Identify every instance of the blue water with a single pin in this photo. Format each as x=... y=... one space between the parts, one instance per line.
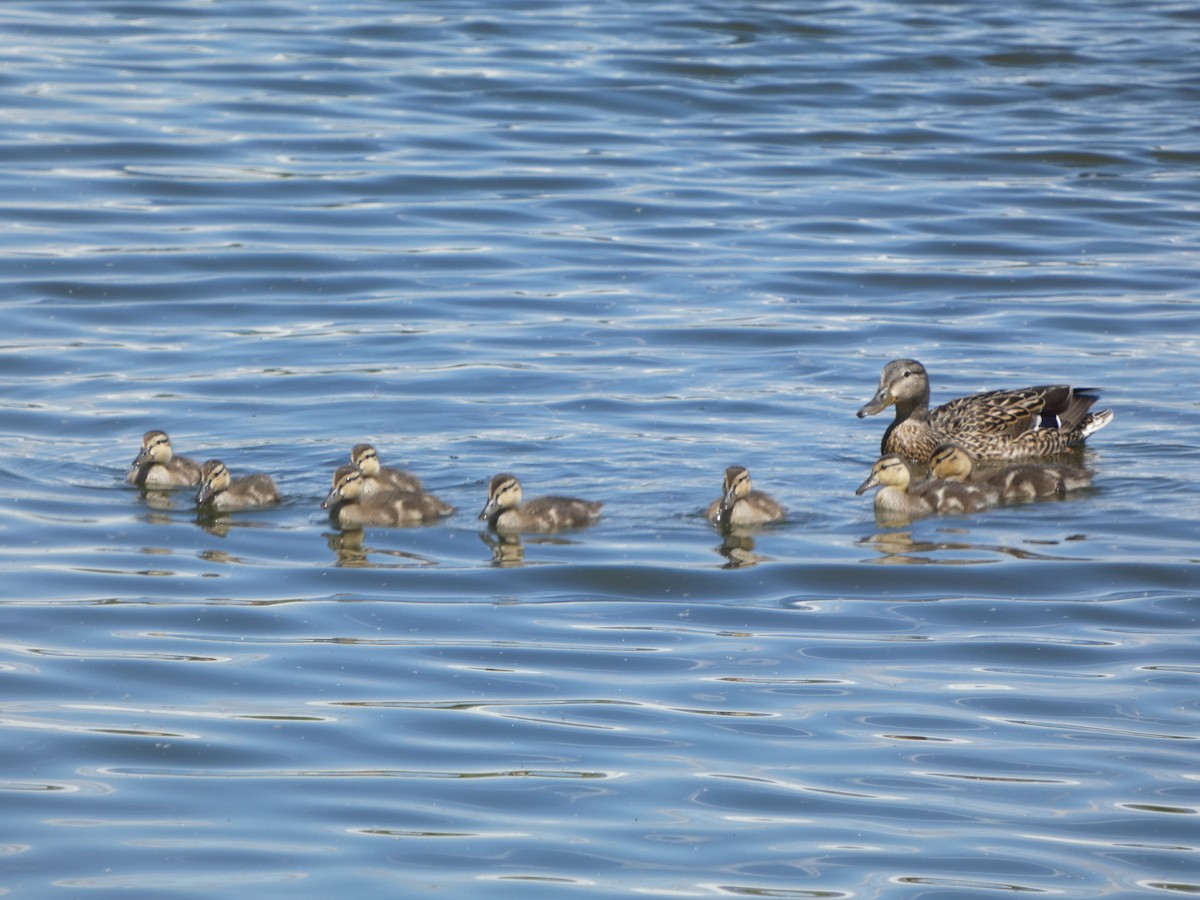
x=611 y=248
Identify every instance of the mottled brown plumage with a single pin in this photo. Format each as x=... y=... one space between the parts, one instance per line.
x=996 y=425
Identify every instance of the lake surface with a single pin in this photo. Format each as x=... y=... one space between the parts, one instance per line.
x=611 y=248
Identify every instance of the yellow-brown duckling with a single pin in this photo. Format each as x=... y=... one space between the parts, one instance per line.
x=221 y=492
x=157 y=466
x=1015 y=484
x=351 y=507
x=505 y=513
x=378 y=477
x=898 y=495
x=741 y=505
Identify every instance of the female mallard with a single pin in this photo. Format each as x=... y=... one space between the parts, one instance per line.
x=1026 y=481
x=377 y=477
x=740 y=504
x=224 y=493
x=351 y=507
x=996 y=425
x=898 y=495
x=157 y=466
x=505 y=512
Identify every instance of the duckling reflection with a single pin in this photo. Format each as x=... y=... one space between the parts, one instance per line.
x=157 y=466
x=505 y=513
x=741 y=505
x=1013 y=484
x=738 y=549
x=507 y=549
x=352 y=553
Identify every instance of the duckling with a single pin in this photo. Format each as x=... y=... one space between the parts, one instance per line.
x=1015 y=484
x=900 y=496
x=351 y=507
x=377 y=477
x=504 y=511
x=224 y=493
x=157 y=466
x=740 y=504
x=997 y=425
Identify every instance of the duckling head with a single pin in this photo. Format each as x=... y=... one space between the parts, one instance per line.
x=888 y=471
x=504 y=492
x=903 y=382
x=737 y=485
x=214 y=478
x=365 y=457
x=156 y=448
x=950 y=462
x=347 y=485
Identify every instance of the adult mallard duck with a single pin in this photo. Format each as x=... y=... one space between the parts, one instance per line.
x=996 y=425
x=1017 y=483
x=740 y=504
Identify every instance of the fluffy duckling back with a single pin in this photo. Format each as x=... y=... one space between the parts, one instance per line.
x=740 y=504
x=504 y=511
x=222 y=492
x=351 y=507
x=1015 y=484
x=157 y=466
x=377 y=477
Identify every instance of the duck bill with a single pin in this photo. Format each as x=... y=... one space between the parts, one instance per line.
x=882 y=400
x=867 y=485
x=204 y=494
x=489 y=508
x=142 y=458
x=331 y=498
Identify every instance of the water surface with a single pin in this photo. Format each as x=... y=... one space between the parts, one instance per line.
x=612 y=249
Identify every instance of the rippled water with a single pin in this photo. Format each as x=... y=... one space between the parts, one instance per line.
x=612 y=248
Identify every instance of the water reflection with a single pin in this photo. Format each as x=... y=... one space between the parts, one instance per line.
x=509 y=549
x=737 y=546
x=900 y=547
x=351 y=552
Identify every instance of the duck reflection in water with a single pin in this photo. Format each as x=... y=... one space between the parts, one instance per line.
x=508 y=548
x=352 y=553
